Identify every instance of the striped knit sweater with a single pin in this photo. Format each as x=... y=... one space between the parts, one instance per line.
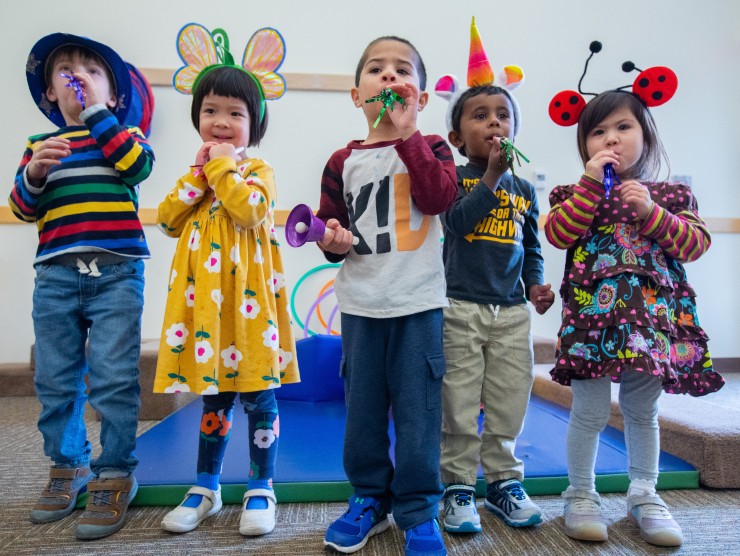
x=89 y=202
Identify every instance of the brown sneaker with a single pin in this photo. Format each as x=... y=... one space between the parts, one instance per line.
x=60 y=495
x=108 y=500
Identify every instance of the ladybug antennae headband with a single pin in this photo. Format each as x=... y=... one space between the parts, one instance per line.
x=653 y=86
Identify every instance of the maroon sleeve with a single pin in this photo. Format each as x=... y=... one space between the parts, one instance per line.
x=331 y=203
x=432 y=171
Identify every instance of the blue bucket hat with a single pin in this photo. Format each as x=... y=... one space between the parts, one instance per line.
x=35 y=69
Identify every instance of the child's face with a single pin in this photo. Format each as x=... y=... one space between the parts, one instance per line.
x=66 y=97
x=621 y=133
x=224 y=120
x=388 y=62
x=483 y=118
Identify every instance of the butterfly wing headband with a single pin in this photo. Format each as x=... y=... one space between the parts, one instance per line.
x=480 y=74
x=201 y=51
x=653 y=86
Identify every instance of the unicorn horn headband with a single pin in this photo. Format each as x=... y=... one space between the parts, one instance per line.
x=480 y=74
x=653 y=86
x=202 y=51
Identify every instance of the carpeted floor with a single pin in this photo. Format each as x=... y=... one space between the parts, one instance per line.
x=710 y=518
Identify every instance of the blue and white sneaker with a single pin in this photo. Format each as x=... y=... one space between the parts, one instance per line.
x=460 y=513
x=425 y=540
x=508 y=500
x=364 y=518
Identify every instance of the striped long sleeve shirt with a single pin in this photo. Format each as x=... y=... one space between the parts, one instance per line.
x=673 y=222
x=89 y=202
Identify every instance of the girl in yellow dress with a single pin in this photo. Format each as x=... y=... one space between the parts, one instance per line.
x=227 y=329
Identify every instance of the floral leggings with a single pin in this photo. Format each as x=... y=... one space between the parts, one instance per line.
x=264 y=429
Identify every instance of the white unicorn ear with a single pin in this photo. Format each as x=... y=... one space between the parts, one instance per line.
x=510 y=78
x=446 y=86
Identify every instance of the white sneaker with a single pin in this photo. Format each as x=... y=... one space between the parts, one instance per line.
x=583 y=519
x=183 y=519
x=258 y=522
x=656 y=524
x=460 y=513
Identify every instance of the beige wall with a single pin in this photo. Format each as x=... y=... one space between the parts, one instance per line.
x=699 y=127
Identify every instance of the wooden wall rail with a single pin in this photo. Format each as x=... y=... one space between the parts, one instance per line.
x=148 y=218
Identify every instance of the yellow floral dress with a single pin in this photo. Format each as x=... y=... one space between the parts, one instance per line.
x=226 y=324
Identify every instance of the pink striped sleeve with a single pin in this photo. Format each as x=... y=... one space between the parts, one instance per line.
x=683 y=236
x=571 y=215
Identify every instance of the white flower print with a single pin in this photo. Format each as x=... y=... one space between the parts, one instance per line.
x=264 y=438
x=238 y=177
x=285 y=358
x=189 y=194
x=277 y=281
x=176 y=334
x=203 y=351
x=194 y=241
x=217 y=297
x=234 y=254
x=190 y=295
x=254 y=198
x=177 y=387
x=270 y=337
x=231 y=357
x=258 y=258
x=210 y=391
x=213 y=263
x=249 y=308
x=173 y=275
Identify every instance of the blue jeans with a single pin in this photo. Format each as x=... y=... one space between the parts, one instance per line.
x=394 y=364
x=70 y=309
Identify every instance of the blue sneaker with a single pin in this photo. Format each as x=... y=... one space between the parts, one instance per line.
x=425 y=540
x=508 y=500
x=460 y=513
x=364 y=518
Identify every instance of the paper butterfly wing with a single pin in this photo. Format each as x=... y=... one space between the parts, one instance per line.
x=263 y=56
x=198 y=51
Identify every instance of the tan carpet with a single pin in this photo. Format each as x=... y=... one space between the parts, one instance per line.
x=711 y=519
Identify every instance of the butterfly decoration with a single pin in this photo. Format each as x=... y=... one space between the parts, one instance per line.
x=202 y=50
x=654 y=86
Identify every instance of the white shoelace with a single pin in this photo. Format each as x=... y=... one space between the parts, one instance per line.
x=655 y=511
x=584 y=506
x=92 y=269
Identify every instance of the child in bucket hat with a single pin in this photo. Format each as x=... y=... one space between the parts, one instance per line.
x=79 y=184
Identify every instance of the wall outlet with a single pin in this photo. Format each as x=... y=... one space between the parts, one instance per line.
x=539 y=179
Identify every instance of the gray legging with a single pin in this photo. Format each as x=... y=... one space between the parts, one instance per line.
x=638 y=400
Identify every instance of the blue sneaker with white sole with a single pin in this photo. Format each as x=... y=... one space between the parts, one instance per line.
x=425 y=540
x=364 y=518
x=508 y=500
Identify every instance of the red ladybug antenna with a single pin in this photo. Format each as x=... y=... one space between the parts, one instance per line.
x=653 y=86
x=566 y=106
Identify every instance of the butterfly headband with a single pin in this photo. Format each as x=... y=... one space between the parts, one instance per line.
x=653 y=86
x=201 y=51
x=479 y=74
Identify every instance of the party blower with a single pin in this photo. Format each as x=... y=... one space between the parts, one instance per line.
x=302 y=226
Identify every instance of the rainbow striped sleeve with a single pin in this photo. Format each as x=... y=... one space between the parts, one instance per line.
x=571 y=216
x=126 y=148
x=682 y=236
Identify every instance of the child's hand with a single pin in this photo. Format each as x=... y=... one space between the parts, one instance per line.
x=404 y=115
x=637 y=197
x=225 y=149
x=595 y=166
x=46 y=154
x=203 y=153
x=90 y=90
x=542 y=297
x=497 y=166
x=336 y=239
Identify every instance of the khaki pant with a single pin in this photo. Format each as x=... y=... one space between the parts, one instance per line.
x=489 y=357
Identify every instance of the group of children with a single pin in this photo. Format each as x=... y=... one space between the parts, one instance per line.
x=428 y=336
